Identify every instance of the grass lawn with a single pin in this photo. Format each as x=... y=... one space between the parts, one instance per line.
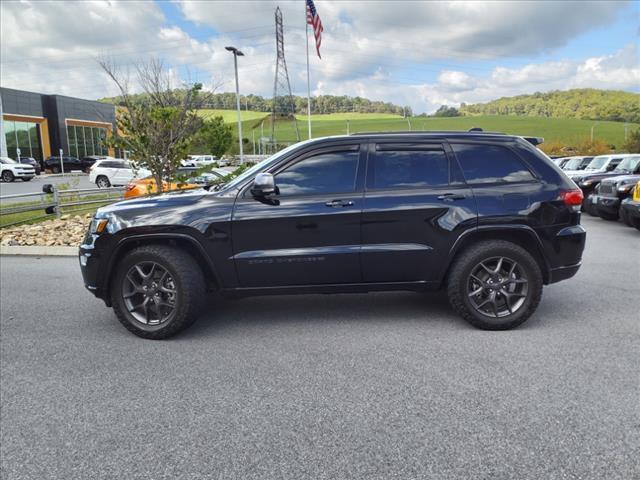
x=566 y=130
x=231 y=116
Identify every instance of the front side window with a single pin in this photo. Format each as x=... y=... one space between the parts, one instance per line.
x=491 y=164
x=408 y=169
x=332 y=172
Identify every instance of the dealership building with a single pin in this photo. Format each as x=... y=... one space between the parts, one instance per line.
x=39 y=125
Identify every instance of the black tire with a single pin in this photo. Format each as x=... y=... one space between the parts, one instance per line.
x=587 y=207
x=26 y=179
x=189 y=285
x=624 y=217
x=103 y=182
x=55 y=169
x=459 y=279
x=7 y=176
x=608 y=216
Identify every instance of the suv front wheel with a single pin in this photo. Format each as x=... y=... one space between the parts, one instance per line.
x=157 y=291
x=495 y=285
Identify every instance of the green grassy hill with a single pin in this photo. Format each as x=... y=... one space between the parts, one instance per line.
x=566 y=130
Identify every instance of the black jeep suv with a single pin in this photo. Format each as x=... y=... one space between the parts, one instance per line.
x=486 y=216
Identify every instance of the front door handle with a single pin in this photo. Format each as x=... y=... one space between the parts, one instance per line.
x=339 y=203
x=451 y=196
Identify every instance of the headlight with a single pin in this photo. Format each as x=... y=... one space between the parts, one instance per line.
x=98 y=225
x=625 y=188
x=586 y=183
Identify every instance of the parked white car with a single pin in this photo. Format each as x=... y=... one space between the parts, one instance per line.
x=10 y=170
x=599 y=164
x=199 y=161
x=112 y=173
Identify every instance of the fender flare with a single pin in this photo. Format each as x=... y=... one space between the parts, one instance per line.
x=496 y=228
x=157 y=236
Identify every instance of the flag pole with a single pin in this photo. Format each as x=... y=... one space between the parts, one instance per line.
x=308 y=77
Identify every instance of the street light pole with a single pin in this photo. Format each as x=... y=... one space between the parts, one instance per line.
x=237 y=53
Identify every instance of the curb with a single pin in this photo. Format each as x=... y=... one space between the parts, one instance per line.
x=39 y=250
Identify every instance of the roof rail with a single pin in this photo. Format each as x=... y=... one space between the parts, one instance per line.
x=426 y=132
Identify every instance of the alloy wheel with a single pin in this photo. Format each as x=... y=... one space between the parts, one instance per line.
x=497 y=287
x=149 y=293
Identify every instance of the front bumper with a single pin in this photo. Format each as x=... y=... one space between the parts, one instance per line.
x=91 y=267
x=24 y=173
x=605 y=204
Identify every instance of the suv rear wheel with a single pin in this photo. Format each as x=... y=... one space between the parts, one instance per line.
x=495 y=285
x=7 y=176
x=103 y=182
x=157 y=291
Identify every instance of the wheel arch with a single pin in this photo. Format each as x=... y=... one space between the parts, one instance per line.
x=520 y=235
x=182 y=241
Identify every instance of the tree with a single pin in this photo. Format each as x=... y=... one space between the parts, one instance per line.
x=632 y=145
x=156 y=128
x=446 y=111
x=214 y=137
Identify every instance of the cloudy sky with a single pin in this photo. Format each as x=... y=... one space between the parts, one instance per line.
x=421 y=54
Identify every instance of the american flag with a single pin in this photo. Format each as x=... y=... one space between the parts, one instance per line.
x=313 y=19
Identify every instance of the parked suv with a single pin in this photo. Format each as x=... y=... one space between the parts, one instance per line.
x=114 y=172
x=486 y=217
x=608 y=195
x=69 y=163
x=10 y=170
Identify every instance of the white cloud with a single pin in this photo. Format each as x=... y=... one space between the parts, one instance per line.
x=367 y=47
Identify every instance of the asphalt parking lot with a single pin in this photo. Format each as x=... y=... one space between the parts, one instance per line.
x=377 y=386
x=35 y=185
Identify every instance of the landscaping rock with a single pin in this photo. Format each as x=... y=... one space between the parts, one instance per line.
x=68 y=230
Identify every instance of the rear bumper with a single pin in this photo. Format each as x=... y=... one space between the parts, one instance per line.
x=562 y=273
x=568 y=246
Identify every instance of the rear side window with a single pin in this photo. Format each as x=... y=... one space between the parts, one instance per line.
x=408 y=169
x=491 y=164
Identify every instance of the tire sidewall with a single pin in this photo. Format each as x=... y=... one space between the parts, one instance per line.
x=532 y=272
x=166 y=328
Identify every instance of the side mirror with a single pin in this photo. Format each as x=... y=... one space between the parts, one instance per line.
x=263 y=185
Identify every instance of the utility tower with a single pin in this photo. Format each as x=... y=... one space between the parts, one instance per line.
x=283 y=103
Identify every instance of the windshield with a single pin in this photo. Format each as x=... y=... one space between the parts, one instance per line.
x=629 y=164
x=572 y=164
x=6 y=160
x=266 y=163
x=597 y=163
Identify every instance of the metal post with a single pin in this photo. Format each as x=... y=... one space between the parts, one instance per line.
x=61 y=161
x=308 y=75
x=235 y=65
x=236 y=54
x=348 y=127
x=3 y=139
x=56 y=200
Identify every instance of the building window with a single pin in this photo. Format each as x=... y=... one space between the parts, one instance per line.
x=24 y=136
x=86 y=141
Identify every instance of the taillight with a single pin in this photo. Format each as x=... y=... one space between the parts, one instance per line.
x=130 y=186
x=572 y=198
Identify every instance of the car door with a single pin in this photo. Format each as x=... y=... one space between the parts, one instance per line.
x=309 y=232
x=416 y=205
x=123 y=173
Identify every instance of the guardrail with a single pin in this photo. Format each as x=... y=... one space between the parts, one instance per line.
x=54 y=201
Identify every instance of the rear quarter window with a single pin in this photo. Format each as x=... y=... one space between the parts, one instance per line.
x=484 y=164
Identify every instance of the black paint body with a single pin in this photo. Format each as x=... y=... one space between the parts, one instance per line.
x=368 y=239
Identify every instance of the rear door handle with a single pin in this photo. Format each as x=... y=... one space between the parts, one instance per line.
x=451 y=196
x=339 y=203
